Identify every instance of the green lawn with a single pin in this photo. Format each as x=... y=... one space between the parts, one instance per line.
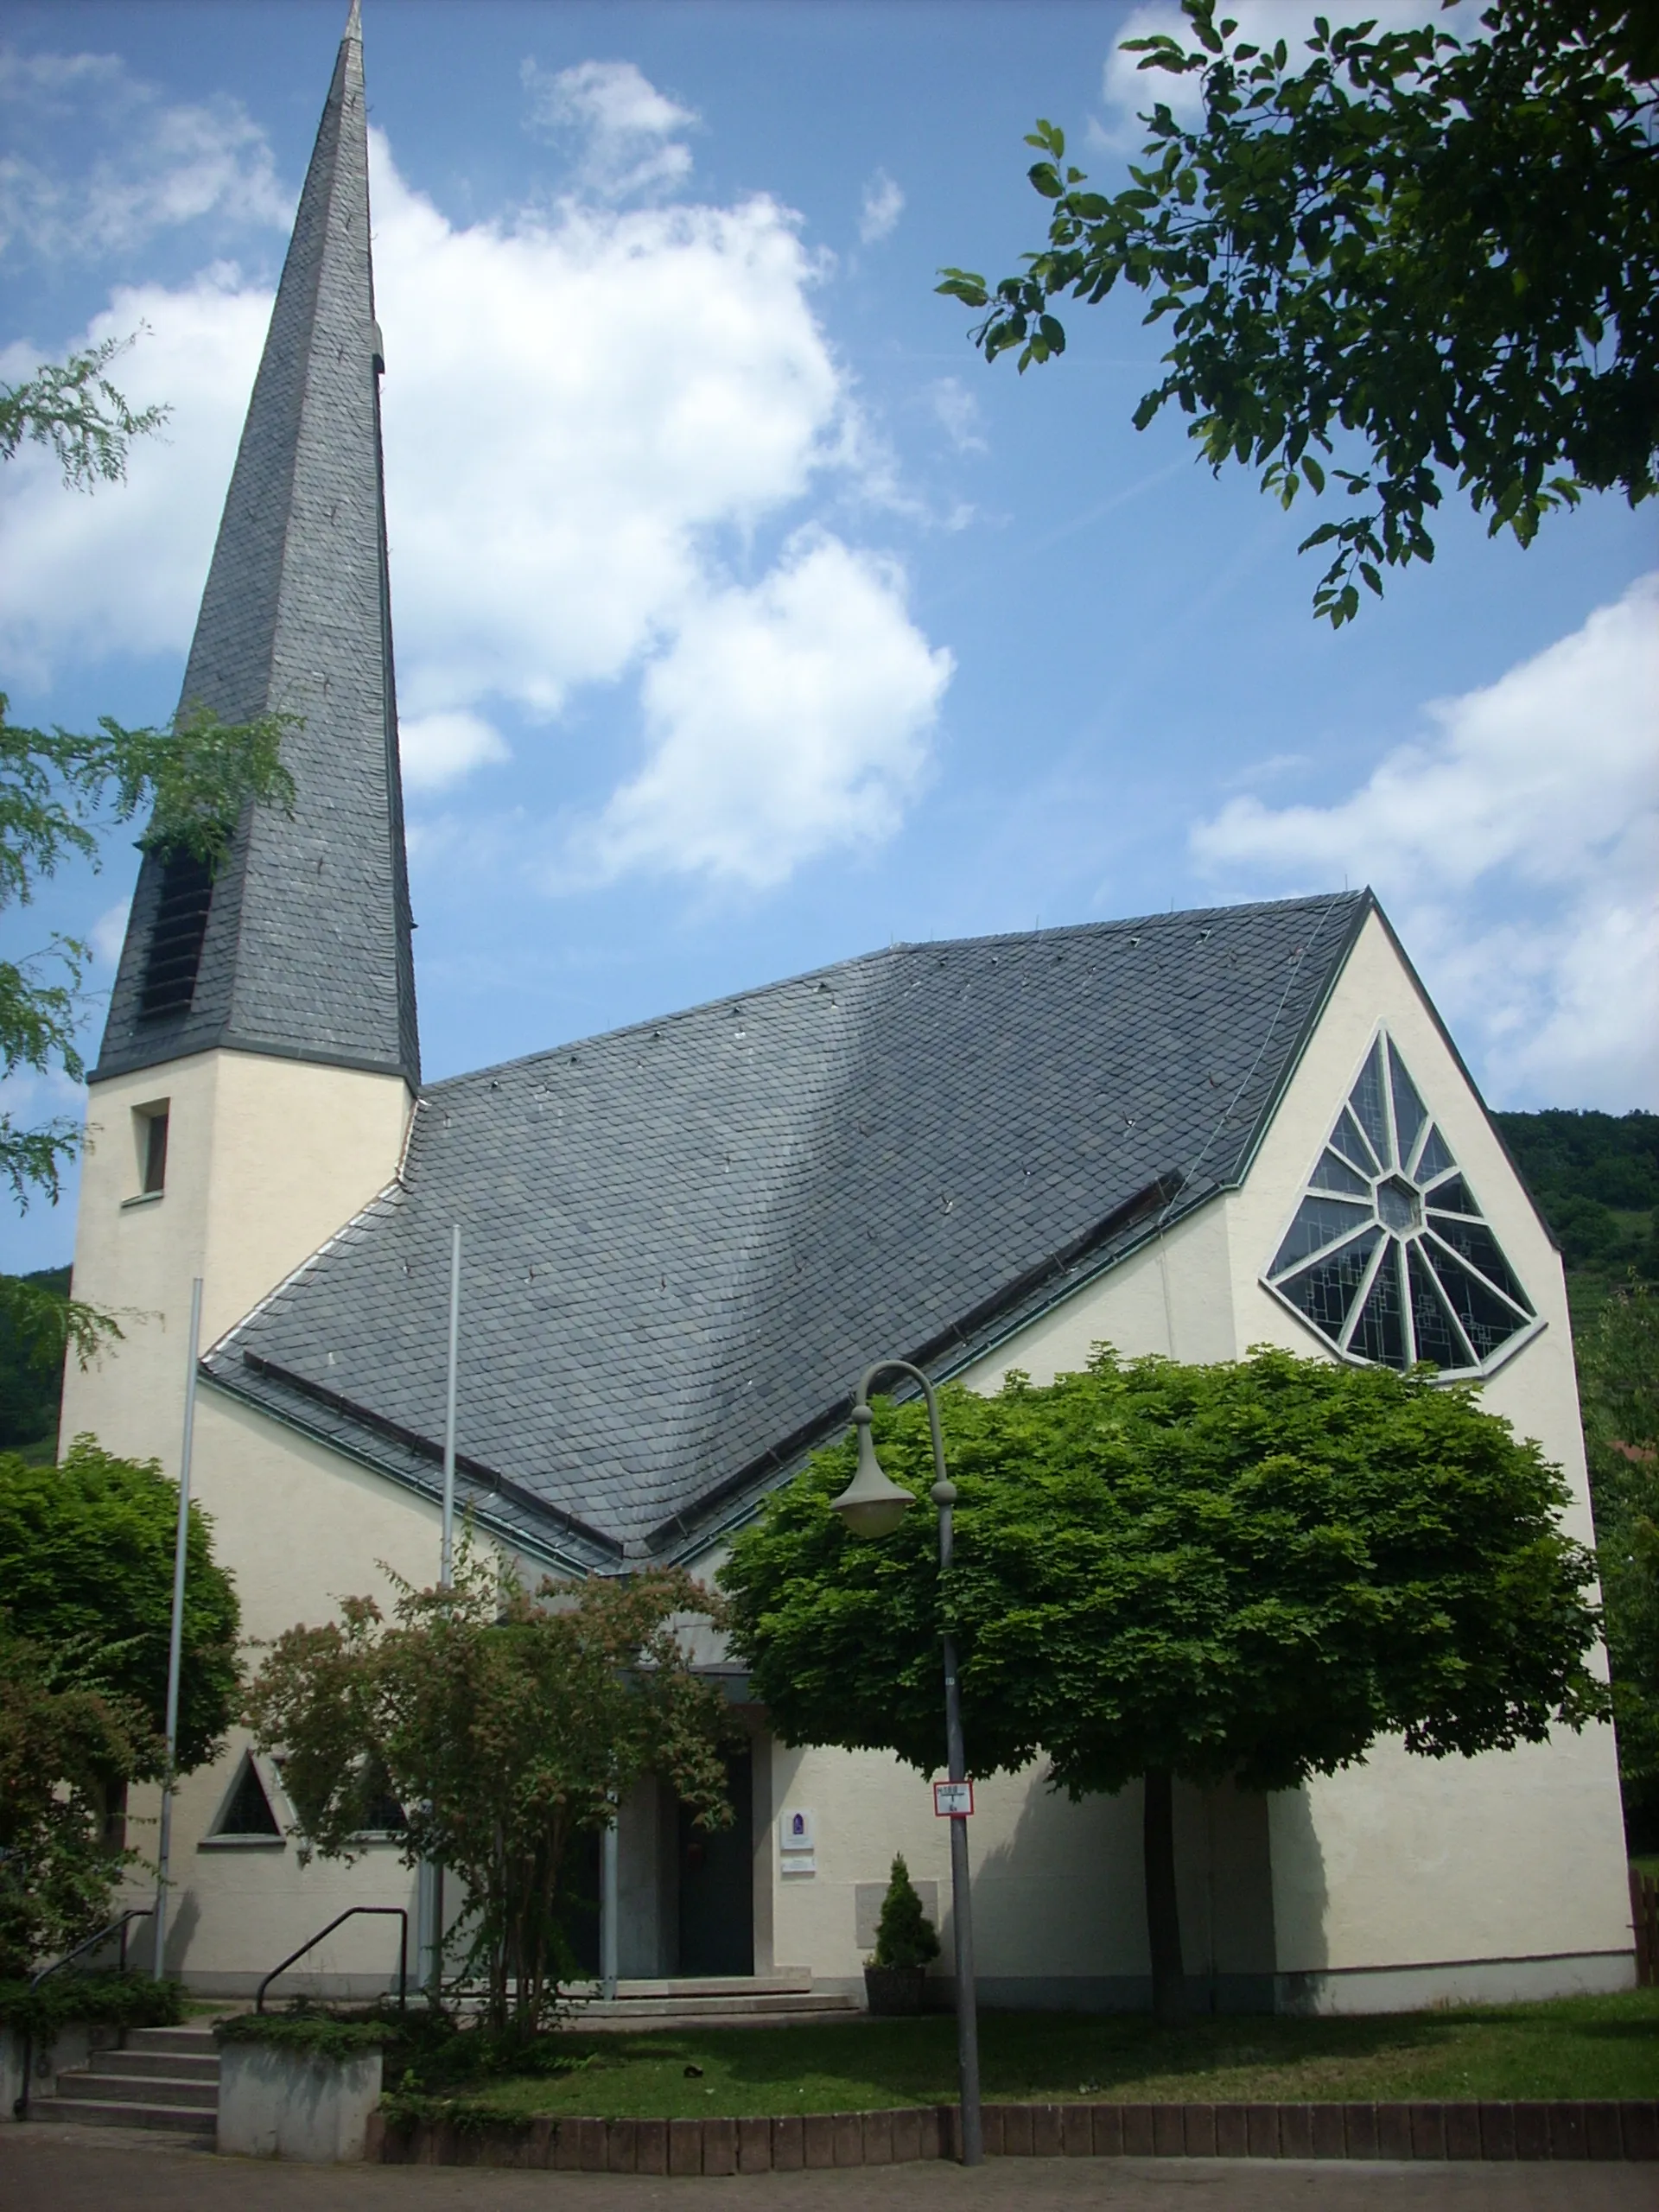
x=1578 y=2047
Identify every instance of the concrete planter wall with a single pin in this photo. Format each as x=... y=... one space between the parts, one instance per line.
x=1498 y=2131
x=287 y=2104
x=50 y=2055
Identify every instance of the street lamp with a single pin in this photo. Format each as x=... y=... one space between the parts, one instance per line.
x=872 y=1507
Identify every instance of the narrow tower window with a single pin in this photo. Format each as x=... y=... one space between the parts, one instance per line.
x=175 y=937
x=150 y=1128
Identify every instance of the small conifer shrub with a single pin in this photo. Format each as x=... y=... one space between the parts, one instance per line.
x=904 y=1936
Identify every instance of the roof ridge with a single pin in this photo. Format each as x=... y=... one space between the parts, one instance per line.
x=868 y=960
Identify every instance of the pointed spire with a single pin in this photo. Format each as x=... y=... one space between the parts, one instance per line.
x=303 y=948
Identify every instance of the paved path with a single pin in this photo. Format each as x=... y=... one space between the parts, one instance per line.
x=50 y=2169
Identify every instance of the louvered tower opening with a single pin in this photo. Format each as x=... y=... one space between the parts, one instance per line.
x=176 y=939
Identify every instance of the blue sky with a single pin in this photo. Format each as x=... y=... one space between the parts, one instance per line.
x=745 y=619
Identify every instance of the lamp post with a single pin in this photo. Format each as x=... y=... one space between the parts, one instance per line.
x=872 y=1507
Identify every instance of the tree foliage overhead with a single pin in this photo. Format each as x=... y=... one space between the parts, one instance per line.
x=1407 y=260
x=86 y=1576
x=505 y=1727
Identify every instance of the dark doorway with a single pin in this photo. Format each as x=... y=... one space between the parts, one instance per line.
x=579 y=1906
x=716 y=1869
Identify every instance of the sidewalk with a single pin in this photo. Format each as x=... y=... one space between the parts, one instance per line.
x=54 y=2169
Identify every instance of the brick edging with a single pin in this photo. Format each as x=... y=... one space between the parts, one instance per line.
x=1600 y=2130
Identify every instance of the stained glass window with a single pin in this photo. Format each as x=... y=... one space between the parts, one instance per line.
x=1388 y=1255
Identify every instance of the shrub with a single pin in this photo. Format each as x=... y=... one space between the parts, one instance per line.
x=904 y=1936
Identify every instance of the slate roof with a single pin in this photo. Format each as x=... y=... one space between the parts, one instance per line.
x=307 y=952
x=683 y=1241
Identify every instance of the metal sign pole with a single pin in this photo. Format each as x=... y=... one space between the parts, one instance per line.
x=175 y=1639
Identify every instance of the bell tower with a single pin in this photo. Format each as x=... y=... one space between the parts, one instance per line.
x=261 y=1055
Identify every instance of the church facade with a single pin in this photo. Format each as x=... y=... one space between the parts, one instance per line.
x=682 y=1242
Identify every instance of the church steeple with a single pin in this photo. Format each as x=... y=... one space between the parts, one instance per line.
x=300 y=948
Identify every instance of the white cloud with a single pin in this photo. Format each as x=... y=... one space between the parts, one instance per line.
x=958 y=414
x=884 y=203
x=437 y=750
x=784 y=721
x=587 y=412
x=108 y=934
x=161 y=165
x=1517 y=849
x=624 y=133
x=123 y=570
x=630 y=382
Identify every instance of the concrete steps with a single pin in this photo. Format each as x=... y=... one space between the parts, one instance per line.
x=161 y=2078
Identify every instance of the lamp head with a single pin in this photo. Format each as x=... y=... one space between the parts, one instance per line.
x=870 y=1506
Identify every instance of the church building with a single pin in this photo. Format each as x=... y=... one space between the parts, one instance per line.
x=683 y=1241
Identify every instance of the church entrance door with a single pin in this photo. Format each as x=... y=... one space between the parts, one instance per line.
x=717 y=1884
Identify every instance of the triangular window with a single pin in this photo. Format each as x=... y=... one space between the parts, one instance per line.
x=246 y=1815
x=1388 y=1255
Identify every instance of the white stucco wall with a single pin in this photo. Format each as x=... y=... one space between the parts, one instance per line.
x=1057 y=1888
x=266 y=1159
x=298 y=1528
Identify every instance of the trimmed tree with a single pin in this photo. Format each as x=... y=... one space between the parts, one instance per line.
x=1246 y=1572
x=505 y=1727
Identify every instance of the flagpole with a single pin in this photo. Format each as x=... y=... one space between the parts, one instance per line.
x=447 y=1562
x=175 y=1639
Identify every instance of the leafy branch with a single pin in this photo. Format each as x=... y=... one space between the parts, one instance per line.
x=73 y=407
x=1441 y=256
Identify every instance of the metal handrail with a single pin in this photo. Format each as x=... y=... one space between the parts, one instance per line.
x=338 y=1920
x=116 y=1928
x=19 y=2105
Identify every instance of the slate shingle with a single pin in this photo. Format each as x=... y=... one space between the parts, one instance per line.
x=308 y=949
x=683 y=1240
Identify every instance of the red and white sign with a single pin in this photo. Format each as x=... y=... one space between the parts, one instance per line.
x=953 y=1800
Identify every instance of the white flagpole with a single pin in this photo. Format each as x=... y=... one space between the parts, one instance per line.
x=446 y=1573
x=175 y=1640
x=447 y=1547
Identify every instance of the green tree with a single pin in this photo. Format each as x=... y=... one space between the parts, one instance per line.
x=59 y=790
x=505 y=1727
x=1247 y=1571
x=86 y=1577
x=1618 y=1378
x=65 y=1750
x=1412 y=260
x=31 y=1371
